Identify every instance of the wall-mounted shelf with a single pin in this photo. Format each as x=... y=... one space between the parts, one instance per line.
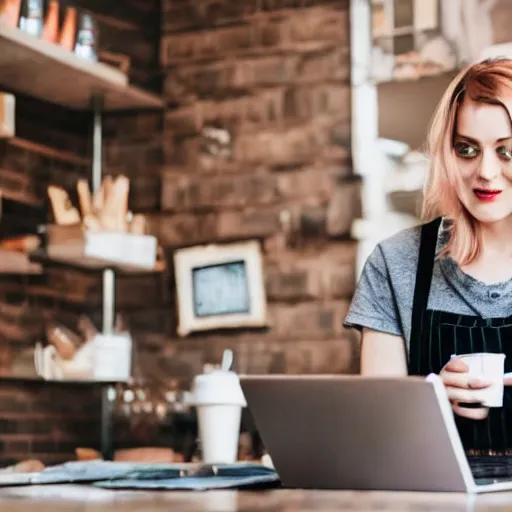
x=93 y=265
x=13 y=263
x=51 y=73
x=32 y=67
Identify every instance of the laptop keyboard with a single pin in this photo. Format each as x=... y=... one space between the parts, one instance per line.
x=490 y=467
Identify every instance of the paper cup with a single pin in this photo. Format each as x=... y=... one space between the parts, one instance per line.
x=219 y=400
x=490 y=367
x=219 y=432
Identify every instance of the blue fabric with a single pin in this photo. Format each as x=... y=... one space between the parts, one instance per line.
x=192 y=483
x=116 y=475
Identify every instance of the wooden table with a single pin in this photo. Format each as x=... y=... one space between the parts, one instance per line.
x=89 y=499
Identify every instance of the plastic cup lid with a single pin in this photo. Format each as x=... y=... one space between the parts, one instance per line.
x=217 y=387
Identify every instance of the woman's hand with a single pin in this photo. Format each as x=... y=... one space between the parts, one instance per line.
x=462 y=388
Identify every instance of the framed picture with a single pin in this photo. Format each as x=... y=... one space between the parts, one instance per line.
x=220 y=286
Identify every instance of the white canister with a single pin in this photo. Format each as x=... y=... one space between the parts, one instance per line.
x=112 y=357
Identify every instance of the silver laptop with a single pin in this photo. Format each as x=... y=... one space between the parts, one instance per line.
x=362 y=433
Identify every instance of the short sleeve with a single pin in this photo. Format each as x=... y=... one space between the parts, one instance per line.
x=373 y=304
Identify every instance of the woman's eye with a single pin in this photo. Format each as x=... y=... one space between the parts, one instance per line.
x=465 y=150
x=505 y=153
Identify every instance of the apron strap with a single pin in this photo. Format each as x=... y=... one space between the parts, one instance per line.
x=427 y=252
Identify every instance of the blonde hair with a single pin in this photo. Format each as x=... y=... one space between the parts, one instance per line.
x=483 y=82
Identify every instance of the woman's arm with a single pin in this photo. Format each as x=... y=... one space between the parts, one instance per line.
x=382 y=355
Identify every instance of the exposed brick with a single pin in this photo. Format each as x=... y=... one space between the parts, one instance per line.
x=181 y=361
x=18 y=186
x=301 y=29
x=329 y=357
x=256 y=354
x=325 y=65
x=263 y=107
x=134 y=156
x=291 y=284
x=306 y=183
x=274 y=74
x=221 y=77
x=143 y=319
x=194 y=15
x=344 y=207
x=41 y=165
x=248 y=223
x=314 y=100
x=308 y=321
x=183 y=229
x=212 y=43
x=136 y=12
x=34 y=420
x=281 y=148
x=327 y=274
x=145 y=192
x=196 y=192
x=189 y=82
x=313 y=221
x=140 y=125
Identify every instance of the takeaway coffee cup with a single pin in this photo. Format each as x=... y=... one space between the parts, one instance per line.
x=489 y=367
x=218 y=398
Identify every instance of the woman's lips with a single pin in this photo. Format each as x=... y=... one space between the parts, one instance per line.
x=486 y=194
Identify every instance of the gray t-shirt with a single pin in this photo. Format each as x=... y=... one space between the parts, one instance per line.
x=385 y=291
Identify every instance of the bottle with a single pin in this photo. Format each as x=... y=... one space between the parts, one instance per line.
x=10 y=12
x=68 y=33
x=51 y=22
x=85 y=43
x=31 y=17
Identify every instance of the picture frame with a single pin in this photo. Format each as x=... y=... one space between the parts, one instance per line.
x=220 y=286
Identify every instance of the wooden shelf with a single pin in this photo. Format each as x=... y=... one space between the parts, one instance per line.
x=421 y=81
x=48 y=72
x=15 y=263
x=69 y=382
x=86 y=264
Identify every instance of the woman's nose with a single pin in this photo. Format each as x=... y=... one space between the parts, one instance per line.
x=490 y=167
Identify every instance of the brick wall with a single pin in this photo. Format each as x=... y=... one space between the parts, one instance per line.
x=275 y=77
x=48 y=422
x=53 y=145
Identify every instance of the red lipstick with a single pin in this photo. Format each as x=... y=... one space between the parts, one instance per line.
x=485 y=194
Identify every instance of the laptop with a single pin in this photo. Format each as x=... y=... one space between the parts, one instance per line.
x=367 y=433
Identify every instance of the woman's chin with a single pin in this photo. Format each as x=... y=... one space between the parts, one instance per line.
x=490 y=214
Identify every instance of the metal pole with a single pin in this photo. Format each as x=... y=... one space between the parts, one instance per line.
x=97 y=143
x=97 y=177
x=109 y=285
x=107 y=418
x=109 y=306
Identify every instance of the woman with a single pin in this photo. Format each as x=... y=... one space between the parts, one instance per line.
x=446 y=288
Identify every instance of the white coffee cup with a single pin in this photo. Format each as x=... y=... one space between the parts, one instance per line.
x=218 y=398
x=490 y=367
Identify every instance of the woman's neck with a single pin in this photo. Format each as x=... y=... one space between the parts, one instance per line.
x=497 y=238
x=494 y=263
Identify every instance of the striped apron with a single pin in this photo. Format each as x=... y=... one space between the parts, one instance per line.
x=436 y=335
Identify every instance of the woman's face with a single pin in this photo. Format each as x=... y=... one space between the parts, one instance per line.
x=483 y=148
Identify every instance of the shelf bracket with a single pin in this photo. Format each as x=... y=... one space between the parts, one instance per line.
x=109 y=292
x=109 y=285
x=97 y=143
